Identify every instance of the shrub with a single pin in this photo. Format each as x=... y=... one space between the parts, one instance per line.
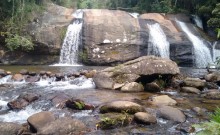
x=212 y=127
x=14 y=42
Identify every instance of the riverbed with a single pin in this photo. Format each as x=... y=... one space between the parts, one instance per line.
x=84 y=89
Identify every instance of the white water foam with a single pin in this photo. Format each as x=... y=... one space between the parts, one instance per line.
x=135 y=15
x=198 y=21
x=202 y=53
x=77 y=83
x=19 y=116
x=159 y=46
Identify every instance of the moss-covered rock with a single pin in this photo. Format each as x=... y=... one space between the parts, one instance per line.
x=121 y=107
x=114 y=120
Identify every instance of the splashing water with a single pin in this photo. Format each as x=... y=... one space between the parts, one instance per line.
x=159 y=45
x=202 y=53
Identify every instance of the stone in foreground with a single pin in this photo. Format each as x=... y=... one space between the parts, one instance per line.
x=63 y=126
x=145 y=118
x=8 y=128
x=171 y=113
x=121 y=107
x=41 y=119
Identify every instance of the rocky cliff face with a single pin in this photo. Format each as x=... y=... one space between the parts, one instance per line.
x=47 y=31
x=111 y=37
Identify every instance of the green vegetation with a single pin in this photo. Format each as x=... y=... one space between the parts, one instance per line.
x=212 y=127
x=14 y=16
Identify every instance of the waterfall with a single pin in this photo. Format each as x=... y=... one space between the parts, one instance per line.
x=197 y=21
x=158 y=44
x=72 y=40
x=216 y=52
x=201 y=51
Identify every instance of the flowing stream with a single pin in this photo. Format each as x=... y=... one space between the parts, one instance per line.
x=70 y=49
x=159 y=46
x=202 y=53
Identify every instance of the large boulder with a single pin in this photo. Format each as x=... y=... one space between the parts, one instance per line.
x=40 y=120
x=122 y=106
x=63 y=126
x=7 y=128
x=146 y=66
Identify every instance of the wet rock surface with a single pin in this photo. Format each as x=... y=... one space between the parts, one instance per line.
x=8 y=128
x=92 y=111
x=145 y=118
x=63 y=126
x=171 y=113
x=122 y=106
x=162 y=100
x=40 y=120
x=23 y=100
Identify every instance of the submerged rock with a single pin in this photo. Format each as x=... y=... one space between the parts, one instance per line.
x=40 y=120
x=32 y=79
x=8 y=128
x=145 y=118
x=122 y=106
x=171 y=113
x=162 y=100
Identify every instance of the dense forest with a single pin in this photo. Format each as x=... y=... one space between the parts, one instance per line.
x=15 y=14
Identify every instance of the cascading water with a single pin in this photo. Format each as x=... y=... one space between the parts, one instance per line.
x=69 y=51
x=216 y=52
x=202 y=53
x=197 y=21
x=159 y=46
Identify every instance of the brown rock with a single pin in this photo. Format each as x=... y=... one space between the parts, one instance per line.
x=24 y=72
x=122 y=106
x=18 y=77
x=190 y=90
x=40 y=120
x=152 y=87
x=194 y=82
x=171 y=113
x=145 y=118
x=162 y=100
x=63 y=126
x=132 y=87
x=8 y=128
